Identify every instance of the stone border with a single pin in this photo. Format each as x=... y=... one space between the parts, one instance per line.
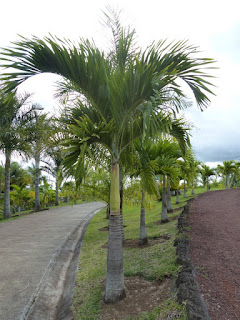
x=53 y=297
x=186 y=283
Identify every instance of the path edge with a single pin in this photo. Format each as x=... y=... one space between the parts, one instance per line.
x=53 y=297
x=188 y=291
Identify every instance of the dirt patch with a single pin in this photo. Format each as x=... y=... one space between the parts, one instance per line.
x=134 y=243
x=104 y=229
x=214 y=221
x=142 y=296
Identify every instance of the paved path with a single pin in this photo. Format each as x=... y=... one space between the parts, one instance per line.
x=27 y=245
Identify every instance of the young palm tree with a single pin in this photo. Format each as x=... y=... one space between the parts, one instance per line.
x=167 y=162
x=206 y=173
x=149 y=151
x=226 y=169
x=117 y=87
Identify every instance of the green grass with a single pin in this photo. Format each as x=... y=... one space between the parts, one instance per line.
x=152 y=263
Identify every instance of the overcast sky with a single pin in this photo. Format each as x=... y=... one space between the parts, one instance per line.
x=212 y=25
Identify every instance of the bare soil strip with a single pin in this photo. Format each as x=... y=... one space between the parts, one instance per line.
x=214 y=221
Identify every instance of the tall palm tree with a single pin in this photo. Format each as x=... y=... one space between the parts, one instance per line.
x=226 y=169
x=14 y=117
x=116 y=87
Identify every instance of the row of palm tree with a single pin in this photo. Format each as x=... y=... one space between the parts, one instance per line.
x=122 y=96
x=25 y=130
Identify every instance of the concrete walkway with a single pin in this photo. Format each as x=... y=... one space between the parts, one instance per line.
x=29 y=248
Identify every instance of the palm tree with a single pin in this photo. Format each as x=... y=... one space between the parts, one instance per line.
x=207 y=172
x=116 y=88
x=226 y=169
x=1 y=179
x=40 y=129
x=146 y=165
x=169 y=153
x=14 y=117
x=54 y=167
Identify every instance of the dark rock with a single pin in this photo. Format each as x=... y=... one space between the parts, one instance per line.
x=186 y=284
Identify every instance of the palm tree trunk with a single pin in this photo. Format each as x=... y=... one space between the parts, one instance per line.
x=7 y=208
x=169 y=204
x=107 y=211
x=226 y=182
x=207 y=185
x=121 y=203
x=115 y=289
x=0 y=187
x=36 y=187
x=143 y=238
x=56 y=193
x=184 y=189
x=164 y=216
x=177 y=197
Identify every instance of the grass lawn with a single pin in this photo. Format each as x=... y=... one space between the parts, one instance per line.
x=153 y=263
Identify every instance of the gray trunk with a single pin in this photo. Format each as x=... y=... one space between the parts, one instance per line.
x=7 y=208
x=193 y=192
x=184 y=189
x=143 y=238
x=115 y=289
x=226 y=182
x=177 y=197
x=169 y=204
x=164 y=216
x=36 y=183
x=56 y=194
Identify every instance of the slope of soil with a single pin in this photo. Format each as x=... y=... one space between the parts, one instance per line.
x=214 y=221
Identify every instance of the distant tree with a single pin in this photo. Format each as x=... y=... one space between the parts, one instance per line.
x=40 y=129
x=206 y=173
x=18 y=175
x=226 y=169
x=14 y=117
x=20 y=197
